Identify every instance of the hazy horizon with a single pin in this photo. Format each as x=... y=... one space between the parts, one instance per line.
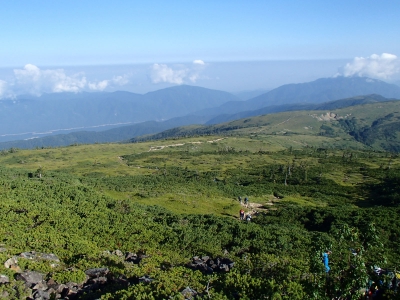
x=233 y=77
x=56 y=46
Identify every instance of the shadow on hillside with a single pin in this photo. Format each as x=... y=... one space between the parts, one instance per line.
x=386 y=193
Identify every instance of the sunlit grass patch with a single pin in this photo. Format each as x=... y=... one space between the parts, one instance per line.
x=303 y=201
x=193 y=204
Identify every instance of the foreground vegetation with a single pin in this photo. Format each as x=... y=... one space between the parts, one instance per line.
x=174 y=199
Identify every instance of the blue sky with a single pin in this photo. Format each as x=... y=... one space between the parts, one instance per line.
x=74 y=35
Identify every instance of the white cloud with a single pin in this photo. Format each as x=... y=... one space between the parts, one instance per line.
x=378 y=66
x=120 y=80
x=99 y=86
x=163 y=73
x=193 y=77
x=198 y=62
x=177 y=75
x=33 y=80
x=102 y=85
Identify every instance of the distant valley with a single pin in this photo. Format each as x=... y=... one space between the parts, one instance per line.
x=58 y=111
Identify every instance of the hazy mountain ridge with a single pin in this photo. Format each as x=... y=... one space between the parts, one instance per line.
x=246 y=95
x=67 y=110
x=327 y=89
x=318 y=91
x=169 y=128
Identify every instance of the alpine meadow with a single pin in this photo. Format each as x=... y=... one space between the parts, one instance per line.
x=189 y=150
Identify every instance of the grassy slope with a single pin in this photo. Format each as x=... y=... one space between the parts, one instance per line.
x=202 y=154
x=304 y=127
x=71 y=215
x=270 y=133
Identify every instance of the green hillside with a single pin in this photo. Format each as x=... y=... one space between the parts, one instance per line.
x=368 y=126
x=336 y=104
x=167 y=201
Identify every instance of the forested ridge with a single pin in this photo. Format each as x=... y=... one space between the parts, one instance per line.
x=160 y=220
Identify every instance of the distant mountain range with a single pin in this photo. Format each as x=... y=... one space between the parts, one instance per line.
x=181 y=105
x=152 y=130
x=50 y=112
x=246 y=95
x=318 y=91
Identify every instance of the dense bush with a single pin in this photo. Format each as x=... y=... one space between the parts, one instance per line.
x=277 y=255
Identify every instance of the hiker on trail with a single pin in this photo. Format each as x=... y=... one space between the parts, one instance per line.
x=248 y=217
x=241 y=214
x=240 y=199
x=326 y=260
x=246 y=200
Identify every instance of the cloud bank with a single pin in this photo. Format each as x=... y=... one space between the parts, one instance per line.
x=179 y=74
x=163 y=73
x=102 y=85
x=381 y=66
x=35 y=81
